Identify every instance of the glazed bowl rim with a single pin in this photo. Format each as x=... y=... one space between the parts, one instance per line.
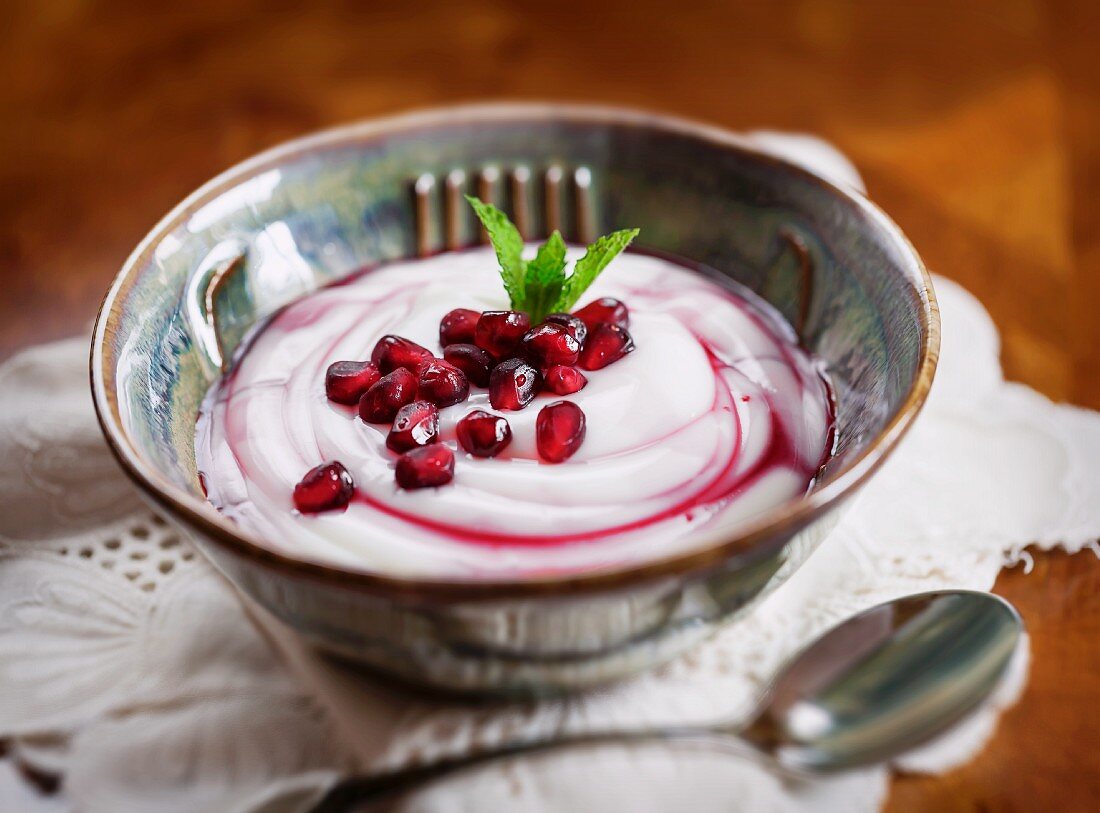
x=786 y=518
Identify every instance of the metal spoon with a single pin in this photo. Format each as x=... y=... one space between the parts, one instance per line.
x=879 y=684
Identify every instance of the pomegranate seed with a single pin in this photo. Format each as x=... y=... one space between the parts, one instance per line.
x=499 y=332
x=346 y=381
x=392 y=352
x=549 y=344
x=571 y=323
x=512 y=384
x=607 y=344
x=559 y=431
x=426 y=467
x=324 y=488
x=562 y=380
x=604 y=310
x=484 y=434
x=458 y=326
x=442 y=383
x=380 y=403
x=416 y=424
x=472 y=360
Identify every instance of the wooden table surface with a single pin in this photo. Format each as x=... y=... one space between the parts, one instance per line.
x=977 y=126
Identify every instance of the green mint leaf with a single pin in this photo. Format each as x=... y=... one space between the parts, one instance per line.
x=545 y=277
x=508 y=244
x=588 y=267
x=540 y=286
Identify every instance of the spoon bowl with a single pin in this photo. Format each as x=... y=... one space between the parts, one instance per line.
x=887 y=680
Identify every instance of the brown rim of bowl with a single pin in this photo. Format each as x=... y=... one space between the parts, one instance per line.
x=785 y=519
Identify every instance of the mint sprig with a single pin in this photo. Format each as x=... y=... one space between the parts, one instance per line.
x=540 y=286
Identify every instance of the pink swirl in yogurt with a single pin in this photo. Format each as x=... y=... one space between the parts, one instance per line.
x=716 y=417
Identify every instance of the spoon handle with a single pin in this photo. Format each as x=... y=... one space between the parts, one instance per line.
x=349 y=793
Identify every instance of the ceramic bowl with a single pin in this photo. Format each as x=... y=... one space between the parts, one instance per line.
x=315 y=210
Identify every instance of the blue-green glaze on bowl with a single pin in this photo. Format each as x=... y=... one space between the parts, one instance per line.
x=315 y=210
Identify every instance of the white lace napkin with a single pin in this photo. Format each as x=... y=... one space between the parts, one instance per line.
x=134 y=676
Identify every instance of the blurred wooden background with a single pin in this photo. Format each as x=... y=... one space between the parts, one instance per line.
x=977 y=126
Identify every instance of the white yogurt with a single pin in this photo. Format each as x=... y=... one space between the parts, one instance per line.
x=716 y=417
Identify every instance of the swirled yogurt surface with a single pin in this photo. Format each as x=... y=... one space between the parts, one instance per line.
x=716 y=417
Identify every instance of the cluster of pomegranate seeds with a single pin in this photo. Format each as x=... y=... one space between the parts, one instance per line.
x=483 y=434
x=559 y=431
x=324 y=488
x=405 y=385
x=425 y=467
